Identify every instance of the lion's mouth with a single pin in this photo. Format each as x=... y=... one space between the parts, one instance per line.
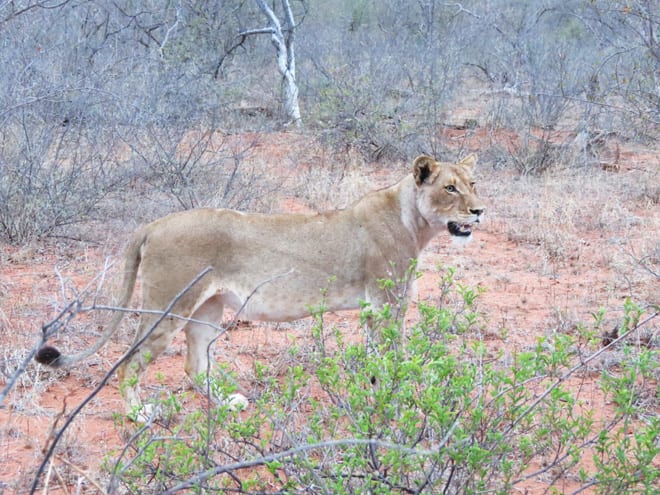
x=459 y=229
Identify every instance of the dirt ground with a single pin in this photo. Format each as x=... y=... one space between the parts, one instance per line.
x=553 y=250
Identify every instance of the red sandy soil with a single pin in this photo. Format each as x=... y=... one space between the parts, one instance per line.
x=526 y=294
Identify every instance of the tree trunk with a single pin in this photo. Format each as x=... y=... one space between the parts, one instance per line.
x=286 y=58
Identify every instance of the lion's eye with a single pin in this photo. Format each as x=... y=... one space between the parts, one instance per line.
x=451 y=189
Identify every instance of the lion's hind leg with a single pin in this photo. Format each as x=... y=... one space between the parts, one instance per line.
x=157 y=340
x=201 y=332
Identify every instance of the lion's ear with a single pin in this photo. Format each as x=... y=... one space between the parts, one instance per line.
x=469 y=162
x=423 y=168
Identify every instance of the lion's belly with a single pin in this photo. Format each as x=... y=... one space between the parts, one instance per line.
x=288 y=305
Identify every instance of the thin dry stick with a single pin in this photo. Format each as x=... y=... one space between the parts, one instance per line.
x=82 y=473
x=47 y=480
x=60 y=479
x=105 y=379
x=115 y=468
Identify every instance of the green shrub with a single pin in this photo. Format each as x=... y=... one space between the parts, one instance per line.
x=424 y=409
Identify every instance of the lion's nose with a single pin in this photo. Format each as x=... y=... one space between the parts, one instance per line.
x=477 y=212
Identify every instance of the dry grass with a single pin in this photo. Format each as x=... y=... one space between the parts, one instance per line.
x=564 y=212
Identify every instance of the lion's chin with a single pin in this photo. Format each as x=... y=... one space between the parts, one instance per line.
x=461 y=233
x=459 y=229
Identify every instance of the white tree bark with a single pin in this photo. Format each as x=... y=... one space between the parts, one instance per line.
x=283 y=41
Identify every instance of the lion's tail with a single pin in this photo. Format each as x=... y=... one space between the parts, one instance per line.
x=52 y=357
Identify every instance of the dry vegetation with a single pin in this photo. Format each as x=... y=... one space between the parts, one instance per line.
x=111 y=118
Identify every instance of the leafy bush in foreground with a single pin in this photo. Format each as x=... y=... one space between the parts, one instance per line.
x=425 y=409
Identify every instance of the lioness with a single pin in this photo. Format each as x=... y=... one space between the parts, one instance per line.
x=274 y=267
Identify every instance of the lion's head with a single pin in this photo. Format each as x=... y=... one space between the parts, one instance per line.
x=447 y=195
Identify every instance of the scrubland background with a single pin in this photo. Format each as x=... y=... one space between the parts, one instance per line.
x=115 y=113
x=101 y=98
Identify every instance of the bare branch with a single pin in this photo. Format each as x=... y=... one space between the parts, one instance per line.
x=170 y=30
x=286 y=58
x=292 y=452
x=250 y=32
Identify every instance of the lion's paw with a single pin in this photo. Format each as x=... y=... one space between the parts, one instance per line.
x=236 y=402
x=144 y=413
